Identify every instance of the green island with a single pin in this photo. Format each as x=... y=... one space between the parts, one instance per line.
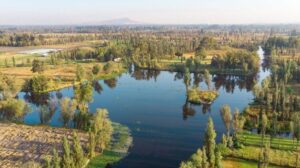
x=201 y=96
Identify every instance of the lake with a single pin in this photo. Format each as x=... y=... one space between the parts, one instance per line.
x=165 y=128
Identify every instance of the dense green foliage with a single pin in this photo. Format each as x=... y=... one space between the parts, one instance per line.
x=209 y=156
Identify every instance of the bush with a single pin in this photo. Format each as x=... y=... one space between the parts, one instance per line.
x=37 y=84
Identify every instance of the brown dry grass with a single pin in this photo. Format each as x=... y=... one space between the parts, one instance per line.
x=20 y=144
x=66 y=72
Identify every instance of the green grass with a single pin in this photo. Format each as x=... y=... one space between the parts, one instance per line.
x=102 y=160
x=282 y=152
x=232 y=162
x=240 y=163
x=276 y=157
x=251 y=139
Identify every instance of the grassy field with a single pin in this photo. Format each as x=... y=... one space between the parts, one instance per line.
x=275 y=142
x=282 y=151
x=239 y=163
x=7 y=53
x=64 y=72
x=118 y=149
x=283 y=158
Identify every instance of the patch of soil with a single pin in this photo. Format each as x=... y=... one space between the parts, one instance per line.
x=20 y=144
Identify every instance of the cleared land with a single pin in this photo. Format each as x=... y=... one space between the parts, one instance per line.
x=20 y=144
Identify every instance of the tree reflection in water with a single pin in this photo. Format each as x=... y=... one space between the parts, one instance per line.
x=145 y=74
x=37 y=98
x=97 y=86
x=111 y=83
x=188 y=109
x=228 y=82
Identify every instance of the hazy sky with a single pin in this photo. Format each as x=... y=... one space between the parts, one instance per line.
x=149 y=11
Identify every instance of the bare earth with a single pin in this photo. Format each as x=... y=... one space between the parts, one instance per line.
x=20 y=144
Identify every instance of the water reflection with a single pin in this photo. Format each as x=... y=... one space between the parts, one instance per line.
x=145 y=74
x=229 y=82
x=37 y=98
x=111 y=83
x=97 y=87
x=187 y=110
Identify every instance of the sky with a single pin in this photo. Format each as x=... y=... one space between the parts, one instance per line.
x=63 y=12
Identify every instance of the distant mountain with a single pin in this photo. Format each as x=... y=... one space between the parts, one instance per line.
x=119 y=21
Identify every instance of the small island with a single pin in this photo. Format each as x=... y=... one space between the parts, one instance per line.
x=197 y=96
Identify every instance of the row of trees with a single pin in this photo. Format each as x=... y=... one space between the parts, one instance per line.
x=276 y=46
x=32 y=39
x=75 y=154
x=242 y=60
x=209 y=156
x=11 y=108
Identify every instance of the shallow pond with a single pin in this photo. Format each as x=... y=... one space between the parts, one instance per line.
x=165 y=129
x=43 y=52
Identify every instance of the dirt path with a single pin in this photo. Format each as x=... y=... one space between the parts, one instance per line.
x=20 y=144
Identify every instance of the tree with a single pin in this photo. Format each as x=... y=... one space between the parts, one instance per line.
x=37 y=84
x=92 y=144
x=13 y=109
x=218 y=162
x=296 y=126
x=80 y=73
x=78 y=154
x=48 y=162
x=197 y=61
x=201 y=53
x=14 y=61
x=187 y=78
x=37 y=66
x=196 y=158
x=207 y=78
x=187 y=164
x=194 y=162
x=96 y=69
x=83 y=93
x=56 y=159
x=264 y=123
x=205 y=163
x=236 y=123
x=8 y=87
x=264 y=157
x=102 y=129
x=210 y=142
x=66 y=158
x=68 y=108
x=179 y=55
x=226 y=117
